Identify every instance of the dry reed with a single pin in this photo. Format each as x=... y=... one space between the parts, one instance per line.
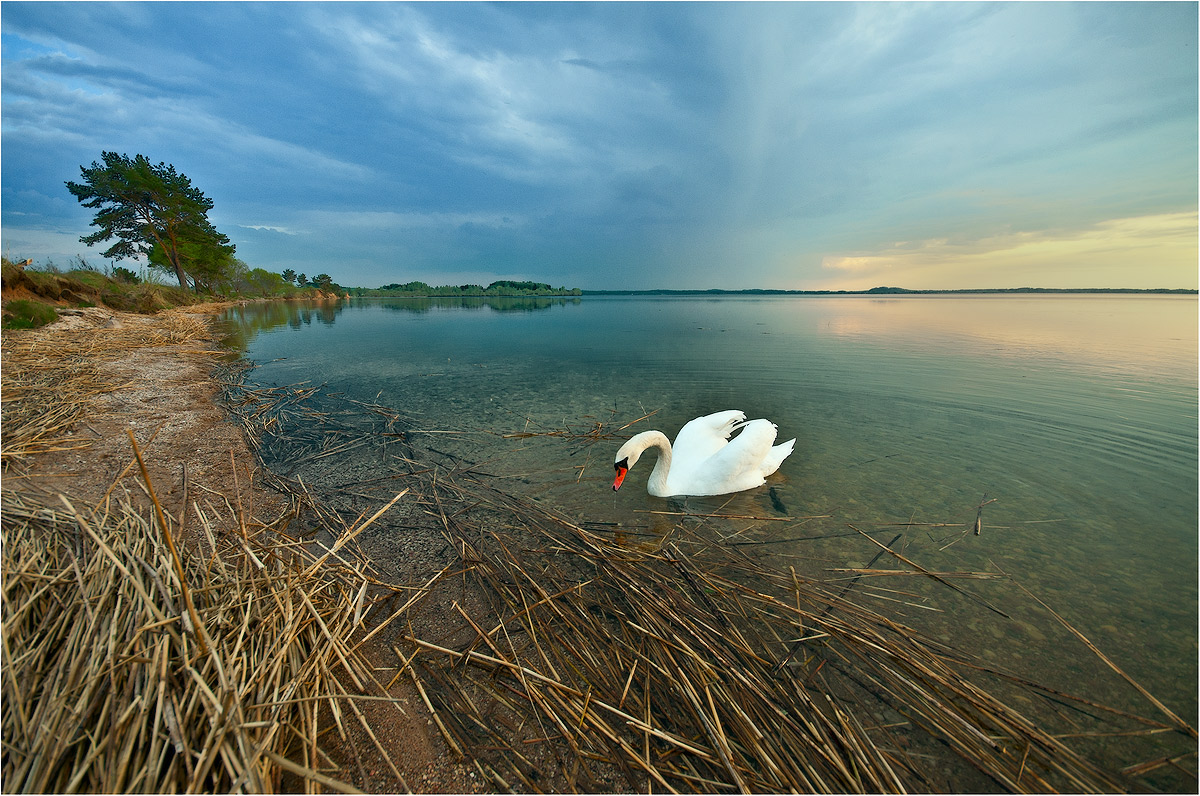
x=567 y=660
x=649 y=670
x=111 y=684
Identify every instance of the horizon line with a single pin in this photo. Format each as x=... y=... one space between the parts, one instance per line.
x=899 y=290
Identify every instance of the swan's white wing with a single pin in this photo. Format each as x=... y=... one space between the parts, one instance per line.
x=704 y=436
x=696 y=443
x=739 y=464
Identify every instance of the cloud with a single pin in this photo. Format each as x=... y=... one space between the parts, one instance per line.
x=640 y=145
x=391 y=220
x=518 y=105
x=42 y=244
x=1163 y=247
x=267 y=228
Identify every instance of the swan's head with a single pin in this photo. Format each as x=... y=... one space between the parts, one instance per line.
x=626 y=458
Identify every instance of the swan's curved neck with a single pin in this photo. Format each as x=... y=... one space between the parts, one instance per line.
x=657 y=484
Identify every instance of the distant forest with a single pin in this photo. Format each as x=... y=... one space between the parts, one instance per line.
x=503 y=287
x=883 y=291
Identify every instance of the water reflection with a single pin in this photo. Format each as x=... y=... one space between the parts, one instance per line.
x=242 y=323
x=1078 y=413
x=494 y=303
x=1136 y=333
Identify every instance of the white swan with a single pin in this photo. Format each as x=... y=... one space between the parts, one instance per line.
x=703 y=460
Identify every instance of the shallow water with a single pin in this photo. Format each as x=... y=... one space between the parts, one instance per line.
x=1076 y=414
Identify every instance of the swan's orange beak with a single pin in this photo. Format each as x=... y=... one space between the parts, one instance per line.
x=621 y=472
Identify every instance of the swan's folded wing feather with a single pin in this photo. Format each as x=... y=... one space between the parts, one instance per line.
x=739 y=464
x=704 y=436
x=696 y=443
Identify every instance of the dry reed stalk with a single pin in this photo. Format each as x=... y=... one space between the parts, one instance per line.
x=50 y=377
x=125 y=701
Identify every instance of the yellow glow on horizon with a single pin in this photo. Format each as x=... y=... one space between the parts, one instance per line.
x=1154 y=251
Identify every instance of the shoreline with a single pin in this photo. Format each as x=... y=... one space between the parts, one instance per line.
x=147 y=373
x=155 y=376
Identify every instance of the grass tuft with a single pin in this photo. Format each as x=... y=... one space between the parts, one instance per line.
x=28 y=314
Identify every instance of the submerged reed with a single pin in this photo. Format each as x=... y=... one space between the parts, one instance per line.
x=659 y=669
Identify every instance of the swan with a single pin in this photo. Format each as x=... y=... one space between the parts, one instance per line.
x=704 y=461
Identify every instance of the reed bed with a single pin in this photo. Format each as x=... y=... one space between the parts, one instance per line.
x=132 y=668
x=550 y=655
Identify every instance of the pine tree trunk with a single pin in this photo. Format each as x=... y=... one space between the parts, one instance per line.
x=179 y=270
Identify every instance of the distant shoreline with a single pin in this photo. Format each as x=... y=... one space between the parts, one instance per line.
x=897 y=291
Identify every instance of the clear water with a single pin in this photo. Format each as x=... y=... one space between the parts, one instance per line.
x=1077 y=414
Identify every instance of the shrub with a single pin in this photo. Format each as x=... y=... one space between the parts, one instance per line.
x=123 y=274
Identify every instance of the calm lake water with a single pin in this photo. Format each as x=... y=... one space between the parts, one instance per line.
x=1076 y=414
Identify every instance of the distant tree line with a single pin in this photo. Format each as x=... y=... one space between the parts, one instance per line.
x=322 y=282
x=503 y=287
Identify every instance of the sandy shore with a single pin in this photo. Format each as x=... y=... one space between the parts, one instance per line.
x=162 y=392
x=153 y=376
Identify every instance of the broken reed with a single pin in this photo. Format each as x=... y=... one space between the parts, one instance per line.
x=596 y=666
x=107 y=685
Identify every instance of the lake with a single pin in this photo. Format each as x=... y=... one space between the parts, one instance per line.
x=1075 y=415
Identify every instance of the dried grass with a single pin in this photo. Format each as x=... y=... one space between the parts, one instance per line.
x=660 y=669
x=569 y=660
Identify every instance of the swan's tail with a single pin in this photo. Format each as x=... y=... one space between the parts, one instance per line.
x=776 y=455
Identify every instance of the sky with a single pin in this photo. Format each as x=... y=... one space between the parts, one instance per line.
x=800 y=145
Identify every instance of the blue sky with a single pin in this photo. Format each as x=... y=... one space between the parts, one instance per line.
x=606 y=145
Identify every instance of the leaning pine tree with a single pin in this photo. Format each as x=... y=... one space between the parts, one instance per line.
x=150 y=209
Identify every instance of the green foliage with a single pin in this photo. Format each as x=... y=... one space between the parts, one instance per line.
x=416 y=288
x=207 y=260
x=28 y=314
x=155 y=212
x=264 y=283
x=530 y=286
x=123 y=274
